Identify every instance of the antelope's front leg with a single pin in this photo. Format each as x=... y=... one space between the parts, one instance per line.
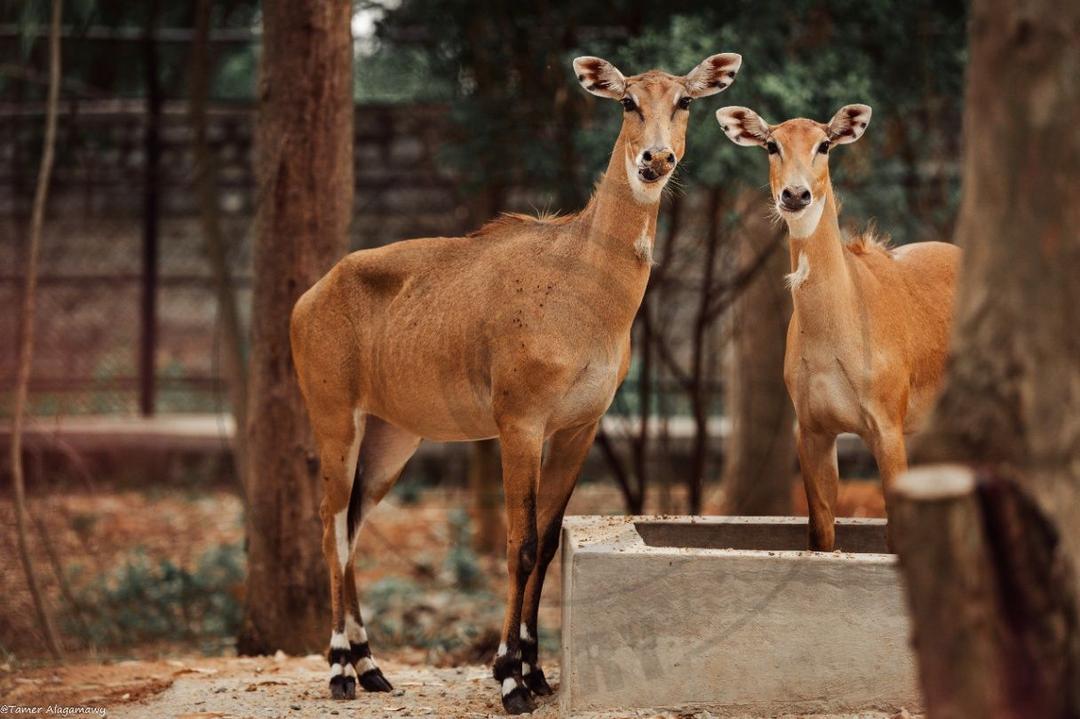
x=817 y=462
x=890 y=453
x=521 y=450
x=566 y=453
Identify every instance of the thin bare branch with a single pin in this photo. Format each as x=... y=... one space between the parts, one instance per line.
x=216 y=252
x=26 y=335
x=631 y=497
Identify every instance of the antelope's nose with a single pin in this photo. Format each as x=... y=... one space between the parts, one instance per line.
x=795 y=198
x=655 y=162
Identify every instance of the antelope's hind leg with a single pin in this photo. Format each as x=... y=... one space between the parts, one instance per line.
x=383 y=453
x=338 y=431
x=361 y=457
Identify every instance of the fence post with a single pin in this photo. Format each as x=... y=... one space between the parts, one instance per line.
x=152 y=147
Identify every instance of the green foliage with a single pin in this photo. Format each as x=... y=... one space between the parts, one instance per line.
x=403 y=613
x=461 y=561
x=144 y=600
x=400 y=75
x=409 y=489
x=102 y=67
x=517 y=105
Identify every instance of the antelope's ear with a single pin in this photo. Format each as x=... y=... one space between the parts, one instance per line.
x=714 y=74
x=600 y=77
x=849 y=123
x=743 y=126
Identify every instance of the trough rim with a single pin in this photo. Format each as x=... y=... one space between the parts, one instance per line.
x=605 y=534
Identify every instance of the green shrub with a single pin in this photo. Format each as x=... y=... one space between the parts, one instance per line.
x=144 y=600
x=462 y=563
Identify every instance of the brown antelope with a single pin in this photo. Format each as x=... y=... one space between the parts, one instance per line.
x=869 y=334
x=519 y=331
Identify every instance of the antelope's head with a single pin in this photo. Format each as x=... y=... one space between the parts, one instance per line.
x=656 y=107
x=798 y=157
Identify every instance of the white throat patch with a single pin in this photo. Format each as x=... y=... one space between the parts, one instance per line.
x=802 y=271
x=643 y=246
x=804 y=223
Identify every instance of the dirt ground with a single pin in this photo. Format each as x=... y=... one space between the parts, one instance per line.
x=287 y=687
x=256 y=687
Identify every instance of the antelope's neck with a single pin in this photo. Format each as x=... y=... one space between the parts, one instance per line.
x=820 y=281
x=622 y=228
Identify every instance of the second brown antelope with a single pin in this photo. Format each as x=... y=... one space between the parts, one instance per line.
x=519 y=331
x=868 y=338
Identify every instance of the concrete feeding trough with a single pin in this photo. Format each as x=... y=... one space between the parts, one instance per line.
x=729 y=614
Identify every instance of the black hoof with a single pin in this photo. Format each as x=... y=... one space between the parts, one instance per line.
x=373 y=681
x=342 y=687
x=517 y=701
x=537 y=683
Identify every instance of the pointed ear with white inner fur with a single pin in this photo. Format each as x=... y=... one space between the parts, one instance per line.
x=849 y=123
x=743 y=126
x=600 y=77
x=714 y=74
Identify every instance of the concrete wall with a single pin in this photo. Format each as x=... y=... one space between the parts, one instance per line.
x=681 y=623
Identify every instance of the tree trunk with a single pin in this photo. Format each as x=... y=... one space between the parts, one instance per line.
x=304 y=142
x=760 y=453
x=26 y=334
x=216 y=252
x=484 y=473
x=486 y=495
x=995 y=552
x=700 y=394
x=1011 y=403
x=151 y=196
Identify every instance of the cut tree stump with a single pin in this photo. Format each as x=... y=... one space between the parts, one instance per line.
x=989 y=593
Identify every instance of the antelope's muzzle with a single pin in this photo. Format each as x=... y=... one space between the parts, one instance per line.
x=795 y=199
x=655 y=163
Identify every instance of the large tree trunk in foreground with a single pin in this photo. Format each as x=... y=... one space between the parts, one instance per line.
x=760 y=453
x=304 y=157
x=26 y=335
x=992 y=562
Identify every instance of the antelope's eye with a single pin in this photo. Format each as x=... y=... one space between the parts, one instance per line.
x=823 y=148
x=628 y=104
x=684 y=102
x=771 y=147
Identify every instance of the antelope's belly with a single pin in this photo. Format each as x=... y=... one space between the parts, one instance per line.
x=443 y=406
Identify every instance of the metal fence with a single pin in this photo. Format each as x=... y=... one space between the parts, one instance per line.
x=126 y=312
